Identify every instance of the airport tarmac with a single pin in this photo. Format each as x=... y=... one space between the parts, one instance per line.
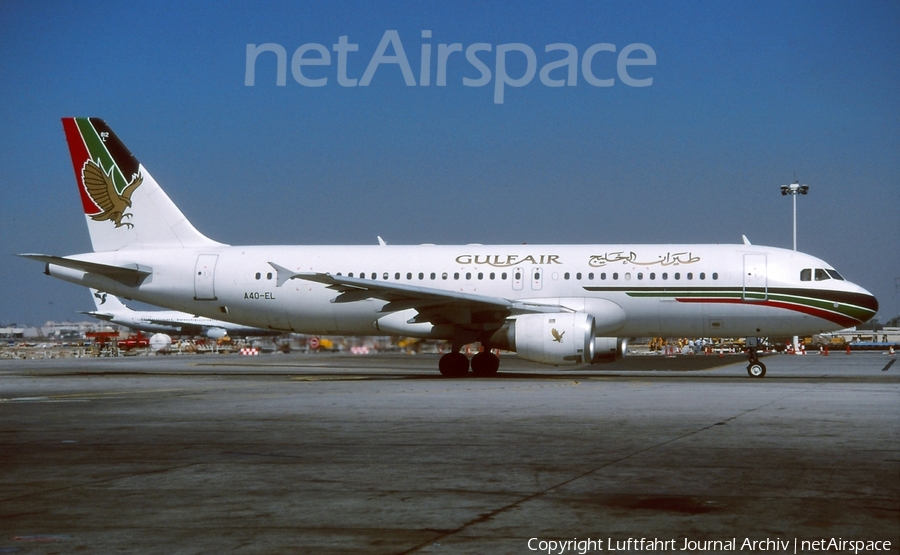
x=378 y=454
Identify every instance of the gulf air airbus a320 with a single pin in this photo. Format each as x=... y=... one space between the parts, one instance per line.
x=554 y=304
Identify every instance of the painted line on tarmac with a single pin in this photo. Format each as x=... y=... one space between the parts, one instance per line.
x=82 y=397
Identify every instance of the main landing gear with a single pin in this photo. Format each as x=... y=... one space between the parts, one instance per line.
x=456 y=364
x=756 y=369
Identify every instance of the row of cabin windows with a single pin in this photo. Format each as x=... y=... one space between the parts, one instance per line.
x=409 y=275
x=820 y=274
x=640 y=275
x=537 y=275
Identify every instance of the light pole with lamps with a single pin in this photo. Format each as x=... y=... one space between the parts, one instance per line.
x=795 y=189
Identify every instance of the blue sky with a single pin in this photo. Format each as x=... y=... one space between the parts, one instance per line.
x=744 y=97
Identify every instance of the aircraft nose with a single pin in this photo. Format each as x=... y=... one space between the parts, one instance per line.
x=868 y=302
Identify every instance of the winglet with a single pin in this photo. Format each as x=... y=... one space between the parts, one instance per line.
x=381 y=241
x=746 y=241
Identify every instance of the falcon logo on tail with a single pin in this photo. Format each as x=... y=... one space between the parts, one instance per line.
x=100 y=186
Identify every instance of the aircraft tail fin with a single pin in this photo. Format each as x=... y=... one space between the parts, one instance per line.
x=107 y=302
x=124 y=206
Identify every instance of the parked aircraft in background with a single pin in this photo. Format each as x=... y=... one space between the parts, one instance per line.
x=111 y=309
x=555 y=304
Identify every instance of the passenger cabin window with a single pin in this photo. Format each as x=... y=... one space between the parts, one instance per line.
x=806 y=275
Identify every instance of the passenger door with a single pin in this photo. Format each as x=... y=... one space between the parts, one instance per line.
x=755 y=278
x=205 y=277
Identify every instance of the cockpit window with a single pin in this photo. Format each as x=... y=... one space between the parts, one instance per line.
x=821 y=275
x=806 y=275
x=834 y=274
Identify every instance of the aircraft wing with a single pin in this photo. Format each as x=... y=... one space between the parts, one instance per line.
x=433 y=305
x=177 y=326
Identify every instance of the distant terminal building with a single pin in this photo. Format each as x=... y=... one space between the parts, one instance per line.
x=73 y=330
x=12 y=332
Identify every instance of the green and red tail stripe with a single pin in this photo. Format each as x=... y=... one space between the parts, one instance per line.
x=92 y=139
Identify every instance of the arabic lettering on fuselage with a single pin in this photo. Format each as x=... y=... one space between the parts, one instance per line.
x=668 y=259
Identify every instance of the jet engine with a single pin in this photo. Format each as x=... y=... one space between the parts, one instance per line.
x=215 y=333
x=556 y=338
x=159 y=342
x=609 y=349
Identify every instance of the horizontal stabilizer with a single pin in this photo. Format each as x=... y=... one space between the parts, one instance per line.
x=98 y=315
x=130 y=274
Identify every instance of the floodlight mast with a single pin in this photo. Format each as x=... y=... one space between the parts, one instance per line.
x=795 y=189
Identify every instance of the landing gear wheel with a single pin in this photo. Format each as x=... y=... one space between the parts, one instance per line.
x=454 y=365
x=756 y=370
x=485 y=364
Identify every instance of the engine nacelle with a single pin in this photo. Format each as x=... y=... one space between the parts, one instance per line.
x=159 y=342
x=609 y=349
x=558 y=338
x=215 y=333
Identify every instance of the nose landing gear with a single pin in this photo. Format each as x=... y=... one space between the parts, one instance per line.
x=756 y=369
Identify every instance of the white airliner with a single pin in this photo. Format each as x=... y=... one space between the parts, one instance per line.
x=555 y=304
x=111 y=309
